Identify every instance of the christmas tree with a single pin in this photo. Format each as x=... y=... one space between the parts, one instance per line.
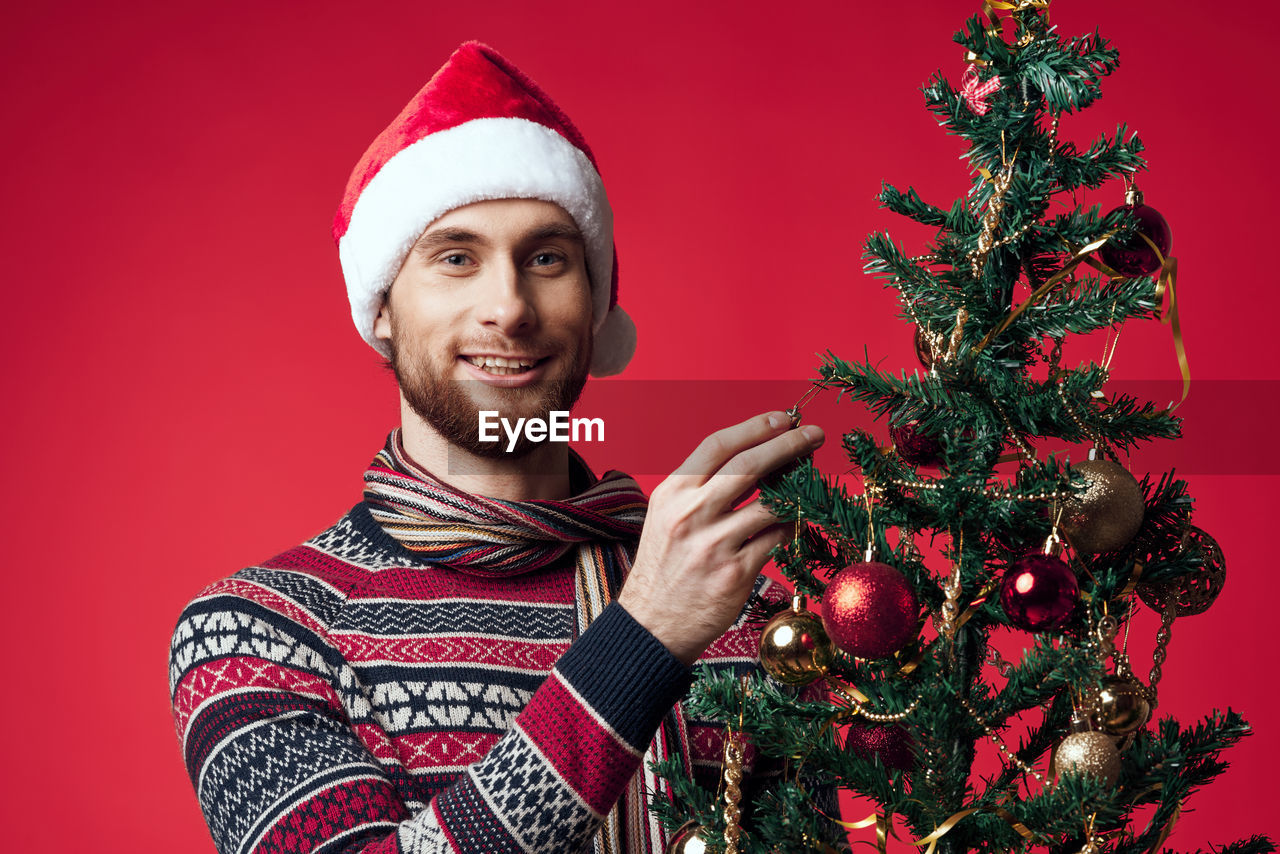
x=881 y=677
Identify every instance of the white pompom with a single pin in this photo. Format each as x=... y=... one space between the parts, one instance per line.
x=615 y=344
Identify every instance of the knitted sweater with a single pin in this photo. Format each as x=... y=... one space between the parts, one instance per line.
x=346 y=696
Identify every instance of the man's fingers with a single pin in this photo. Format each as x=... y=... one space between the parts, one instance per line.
x=756 y=550
x=722 y=445
x=739 y=475
x=749 y=521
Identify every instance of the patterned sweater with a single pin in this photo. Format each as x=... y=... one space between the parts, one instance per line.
x=346 y=696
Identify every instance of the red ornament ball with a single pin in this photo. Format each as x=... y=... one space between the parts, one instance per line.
x=870 y=610
x=913 y=446
x=1134 y=256
x=1038 y=592
x=891 y=743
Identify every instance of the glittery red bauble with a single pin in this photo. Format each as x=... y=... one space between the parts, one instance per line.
x=1038 y=592
x=892 y=743
x=913 y=446
x=1133 y=256
x=869 y=610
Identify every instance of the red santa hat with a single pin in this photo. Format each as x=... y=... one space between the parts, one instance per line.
x=480 y=129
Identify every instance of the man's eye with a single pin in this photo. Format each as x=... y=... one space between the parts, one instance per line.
x=543 y=259
x=456 y=259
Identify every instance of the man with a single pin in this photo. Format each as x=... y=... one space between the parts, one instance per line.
x=457 y=664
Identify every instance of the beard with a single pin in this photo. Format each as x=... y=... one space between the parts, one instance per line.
x=450 y=405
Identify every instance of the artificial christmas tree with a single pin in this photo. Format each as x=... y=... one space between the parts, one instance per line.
x=1026 y=542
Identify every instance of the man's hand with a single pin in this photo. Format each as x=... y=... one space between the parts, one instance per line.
x=699 y=555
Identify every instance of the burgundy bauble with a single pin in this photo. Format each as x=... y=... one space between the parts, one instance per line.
x=890 y=742
x=913 y=446
x=1133 y=256
x=1038 y=592
x=869 y=610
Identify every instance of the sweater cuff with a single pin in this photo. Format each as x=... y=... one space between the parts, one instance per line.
x=625 y=674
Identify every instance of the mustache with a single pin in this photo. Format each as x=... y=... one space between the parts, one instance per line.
x=501 y=344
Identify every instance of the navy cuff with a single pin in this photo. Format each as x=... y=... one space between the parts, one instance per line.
x=625 y=674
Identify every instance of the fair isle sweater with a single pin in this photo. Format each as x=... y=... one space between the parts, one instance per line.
x=346 y=696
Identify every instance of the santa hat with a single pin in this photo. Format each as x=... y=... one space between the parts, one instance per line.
x=480 y=129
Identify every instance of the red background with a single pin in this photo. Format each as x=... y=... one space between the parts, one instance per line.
x=186 y=395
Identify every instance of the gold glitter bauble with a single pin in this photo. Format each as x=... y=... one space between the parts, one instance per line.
x=1106 y=514
x=1122 y=707
x=794 y=647
x=691 y=838
x=1196 y=590
x=1092 y=754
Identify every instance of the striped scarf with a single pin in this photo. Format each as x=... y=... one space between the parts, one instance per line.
x=495 y=538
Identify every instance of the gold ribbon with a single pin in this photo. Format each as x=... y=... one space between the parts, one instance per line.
x=975 y=605
x=880 y=821
x=1168 y=825
x=1077 y=259
x=995 y=28
x=932 y=839
x=930 y=842
x=1167 y=280
x=1134 y=576
x=1167 y=829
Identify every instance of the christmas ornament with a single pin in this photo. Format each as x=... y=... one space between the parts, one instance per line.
x=869 y=610
x=1134 y=256
x=794 y=648
x=913 y=446
x=733 y=758
x=773 y=478
x=691 y=838
x=1195 y=591
x=892 y=744
x=1088 y=753
x=1038 y=592
x=991 y=220
x=1106 y=514
x=924 y=351
x=975 y=91
x=1121 y=706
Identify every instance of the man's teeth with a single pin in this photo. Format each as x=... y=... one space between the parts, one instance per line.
x=499 y=365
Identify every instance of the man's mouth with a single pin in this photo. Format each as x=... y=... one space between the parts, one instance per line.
x=502 y=366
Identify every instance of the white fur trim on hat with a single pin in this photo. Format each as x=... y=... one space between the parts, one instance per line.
x=493 y=158
x=615 y=344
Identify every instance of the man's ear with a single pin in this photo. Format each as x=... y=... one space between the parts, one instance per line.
x=382 y=323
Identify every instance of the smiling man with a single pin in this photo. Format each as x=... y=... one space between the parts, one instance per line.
x=491 y=311
x=488 y=650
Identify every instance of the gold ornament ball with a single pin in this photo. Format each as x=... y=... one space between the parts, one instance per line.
x=1092 y=754
x=1107 y=513
x=794 y=647
x=1122 y=707
x=1194 y=591
x=691 y=838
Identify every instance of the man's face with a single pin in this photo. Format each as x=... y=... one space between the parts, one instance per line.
x=491 y=310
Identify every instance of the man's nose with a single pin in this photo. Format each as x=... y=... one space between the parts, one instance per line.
x=505 y=300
